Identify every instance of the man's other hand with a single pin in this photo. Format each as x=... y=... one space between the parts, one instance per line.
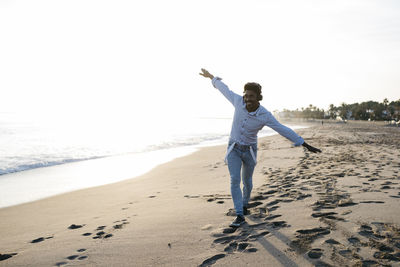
x=311 y=148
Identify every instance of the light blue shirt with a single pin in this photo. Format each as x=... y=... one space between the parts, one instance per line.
x=246 y=125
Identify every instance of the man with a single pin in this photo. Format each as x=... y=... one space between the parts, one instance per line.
x=249 y=118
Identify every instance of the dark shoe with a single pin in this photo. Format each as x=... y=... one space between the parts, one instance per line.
x=238 y=221
x=245 y=211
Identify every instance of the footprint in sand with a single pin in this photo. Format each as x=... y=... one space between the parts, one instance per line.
x=355 y=241
x=368 y=263
x=75 y=226
x=273 y=208
x=240 y=247
x=40 y=239
x=315 y=253
x=210 y=261
x=231 y=247
x=99 y=235
x=73 y=257
x=6 y=256
x=256 y=236
x=323 y=214
x=229 y=230
x=278 y=224
x=102 y=234
x=305 y=237
x=118 y=226
x=387 y=256
x=188 y=196
x=347 y=253
x=332 y=241
x=226 y=239
x=271 y=217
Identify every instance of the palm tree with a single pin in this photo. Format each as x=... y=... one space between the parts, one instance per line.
x=332 y=111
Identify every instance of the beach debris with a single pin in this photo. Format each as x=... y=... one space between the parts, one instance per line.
x=206 y=227
x=346 y=203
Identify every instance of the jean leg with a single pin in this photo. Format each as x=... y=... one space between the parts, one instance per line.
x=247 y=176
x=234 y=166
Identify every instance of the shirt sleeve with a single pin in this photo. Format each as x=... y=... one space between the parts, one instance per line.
x=284 y=130
x=224 y=89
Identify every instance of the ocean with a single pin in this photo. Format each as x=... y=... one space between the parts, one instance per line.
x=42 y=157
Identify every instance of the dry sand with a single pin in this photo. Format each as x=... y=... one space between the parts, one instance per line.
x=336 y=208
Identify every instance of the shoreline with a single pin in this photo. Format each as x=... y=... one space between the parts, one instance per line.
x=306 y=209
x=44 y=182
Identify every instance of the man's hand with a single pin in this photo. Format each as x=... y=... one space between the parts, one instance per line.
x=206 y=74
x=311 y=148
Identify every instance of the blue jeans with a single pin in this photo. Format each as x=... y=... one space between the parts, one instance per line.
x=239 y=157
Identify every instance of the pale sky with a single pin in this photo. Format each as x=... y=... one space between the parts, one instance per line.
x=119 y=58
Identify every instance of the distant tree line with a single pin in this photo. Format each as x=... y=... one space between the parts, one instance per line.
x=370 y=110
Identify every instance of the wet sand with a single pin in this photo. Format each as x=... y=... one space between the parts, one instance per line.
x=339 y=207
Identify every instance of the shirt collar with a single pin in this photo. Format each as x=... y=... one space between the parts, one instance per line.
x=259 y=111
x=255 y=113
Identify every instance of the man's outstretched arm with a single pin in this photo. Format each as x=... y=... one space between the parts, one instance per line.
x=222 y=87
x=311 y=148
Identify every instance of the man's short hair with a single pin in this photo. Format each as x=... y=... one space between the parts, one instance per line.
x=255 y=87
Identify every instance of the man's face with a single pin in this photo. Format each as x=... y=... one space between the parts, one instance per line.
x=250 y=98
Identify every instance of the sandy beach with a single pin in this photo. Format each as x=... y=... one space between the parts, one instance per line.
x=336 y=208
